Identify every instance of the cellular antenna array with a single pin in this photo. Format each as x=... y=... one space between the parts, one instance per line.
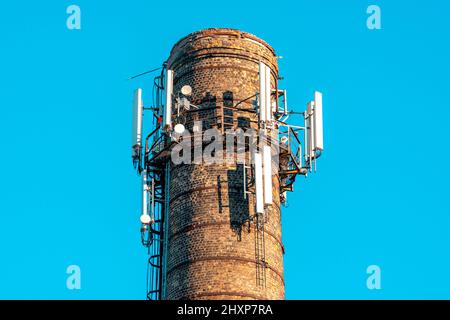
x=213 y=230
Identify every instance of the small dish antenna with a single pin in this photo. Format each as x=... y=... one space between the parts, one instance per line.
x=179 y=128
x=186 y=90
x=145 y=219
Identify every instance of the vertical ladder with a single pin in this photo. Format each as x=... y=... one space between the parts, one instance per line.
x=155 y=252
x=260 y=251
x=227 y=111
x=227 y=119
x=259 y=220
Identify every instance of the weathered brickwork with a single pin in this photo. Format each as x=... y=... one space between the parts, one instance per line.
x=211 y=250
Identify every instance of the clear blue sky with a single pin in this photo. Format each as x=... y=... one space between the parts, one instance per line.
x=69 y=195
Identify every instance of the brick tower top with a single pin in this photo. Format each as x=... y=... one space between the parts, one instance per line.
x=222 y=41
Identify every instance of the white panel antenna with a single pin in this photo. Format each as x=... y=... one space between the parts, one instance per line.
x=136 y=138
x=318 y=121
x=169 y=94
x=268 y=92
x=262 y=91
x=144 y=196
x=259 y=194
x=267 y=163
x=285 y=102
x=310 y=130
